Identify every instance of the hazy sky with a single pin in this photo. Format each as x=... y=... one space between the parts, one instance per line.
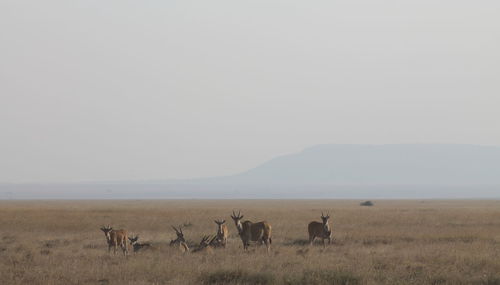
x=125 y=90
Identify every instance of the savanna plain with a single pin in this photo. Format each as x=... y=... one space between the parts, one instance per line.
x=391 y=242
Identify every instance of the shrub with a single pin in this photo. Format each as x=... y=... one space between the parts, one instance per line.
x=366 y=203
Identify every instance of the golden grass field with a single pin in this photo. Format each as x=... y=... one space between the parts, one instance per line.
x=393 y=242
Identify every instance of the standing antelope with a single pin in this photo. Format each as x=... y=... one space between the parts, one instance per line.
x=222 y=233
x=115 y=238
x=321 y=230
x=249 y=231
x=179 y=240
x=136 y=244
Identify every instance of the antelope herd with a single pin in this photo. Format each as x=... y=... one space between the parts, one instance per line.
x=248 y=231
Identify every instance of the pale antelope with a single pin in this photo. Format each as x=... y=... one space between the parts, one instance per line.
x=320 y=229
x=206 y=244
x=249 y=231
x=136 y=244
x=222 y=233
x=116 y=238
x=179 y=241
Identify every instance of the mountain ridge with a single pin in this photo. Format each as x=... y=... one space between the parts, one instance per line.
x=391 y=164
x=329 y=171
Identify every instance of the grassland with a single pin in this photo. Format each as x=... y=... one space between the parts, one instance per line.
x=393 y=242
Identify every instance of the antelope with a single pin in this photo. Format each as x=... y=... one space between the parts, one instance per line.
x=206 y=244
x=179 y=240
x=115 y=238
x=222 y=233
x=321 y=230
x=137 y=245
x=249 y=231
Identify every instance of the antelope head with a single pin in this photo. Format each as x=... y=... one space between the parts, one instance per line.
x=107 y=229
x=237 y=221
x=133 y=239
x=219 y=224
x=180 y=236
x=325 y=219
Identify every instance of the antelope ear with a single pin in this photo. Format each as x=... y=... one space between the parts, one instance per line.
x=223 y=221
x=241 y=217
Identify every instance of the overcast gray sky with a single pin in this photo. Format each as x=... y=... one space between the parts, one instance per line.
x=125 y=90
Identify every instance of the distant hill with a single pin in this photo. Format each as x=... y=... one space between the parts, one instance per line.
x=408 y=171
x=397 y=164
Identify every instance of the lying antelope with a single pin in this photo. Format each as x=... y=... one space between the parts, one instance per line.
x=222 y=233
x=249 y=231
x=320 y=229
x=115 y=238
x=136 y=244
x=206 y=245
x=180 y=241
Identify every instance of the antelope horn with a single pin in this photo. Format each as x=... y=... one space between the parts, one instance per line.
x=212 y=240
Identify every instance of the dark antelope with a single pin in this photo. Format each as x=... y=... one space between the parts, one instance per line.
x=116 y=238
x=249 y=231
x=206 y=245
x=136 y=244
x=180 y=241
x=320 y=229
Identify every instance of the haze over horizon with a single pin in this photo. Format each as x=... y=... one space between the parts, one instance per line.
x=124 y=91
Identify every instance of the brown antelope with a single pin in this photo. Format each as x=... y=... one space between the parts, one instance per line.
x=320 y=229
x=180 y=241
x=136 y=244
x=206 y=245
x=249 y=231
x=116 y=238
x=222 y=233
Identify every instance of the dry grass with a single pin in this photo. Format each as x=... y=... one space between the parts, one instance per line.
x=393 y=242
